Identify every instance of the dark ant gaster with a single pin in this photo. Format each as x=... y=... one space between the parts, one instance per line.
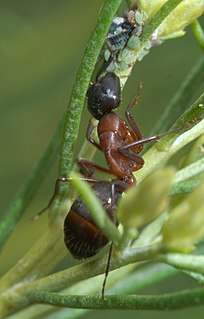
x=81 y=235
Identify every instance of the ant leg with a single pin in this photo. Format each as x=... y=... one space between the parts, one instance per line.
x=113 y=208
x=157 y=136
x=106 y=272
x=56 y=190
x=85 y=163
x=85 y=170
x=129 y=116
x=86 y=179
x=88 y=135
x=137 y=159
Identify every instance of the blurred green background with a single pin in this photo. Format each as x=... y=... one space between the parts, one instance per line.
x=41 y=44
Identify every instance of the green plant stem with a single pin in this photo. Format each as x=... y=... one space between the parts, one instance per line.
x=190 y=171
x=159 y=17
x=13 y=300
x=132 y=282
x=74 y=110
x=72 y=275
x=180 y=101
x=181 y=261
x=198 y=33
x=171 y=301
x=27 y=191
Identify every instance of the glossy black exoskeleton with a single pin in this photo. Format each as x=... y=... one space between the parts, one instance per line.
x=104 y=95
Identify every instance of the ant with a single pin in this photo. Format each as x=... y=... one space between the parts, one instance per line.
x=121 y=146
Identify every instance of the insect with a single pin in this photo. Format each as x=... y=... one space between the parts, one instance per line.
x=82 y=237
x=118 y=34
x=122 y=28
x=121 y=145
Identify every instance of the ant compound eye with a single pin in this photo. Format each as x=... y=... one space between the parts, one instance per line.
x=104 y=95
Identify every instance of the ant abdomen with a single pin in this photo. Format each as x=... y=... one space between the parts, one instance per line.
x=81 y=235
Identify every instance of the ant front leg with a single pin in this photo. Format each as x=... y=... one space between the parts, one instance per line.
x=89 y=132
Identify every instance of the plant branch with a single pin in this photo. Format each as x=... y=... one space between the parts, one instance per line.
x=189 y=171
x=18 y=297
x=171 y=301
x=132 y=282
x=184 y=262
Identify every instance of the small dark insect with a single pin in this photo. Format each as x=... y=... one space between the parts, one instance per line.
x=122 y=28
x=81 y=235
x=118 y=34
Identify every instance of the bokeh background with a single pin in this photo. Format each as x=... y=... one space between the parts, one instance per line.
x=41 y=44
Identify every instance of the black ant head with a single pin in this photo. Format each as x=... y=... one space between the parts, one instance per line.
x=104 y=95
